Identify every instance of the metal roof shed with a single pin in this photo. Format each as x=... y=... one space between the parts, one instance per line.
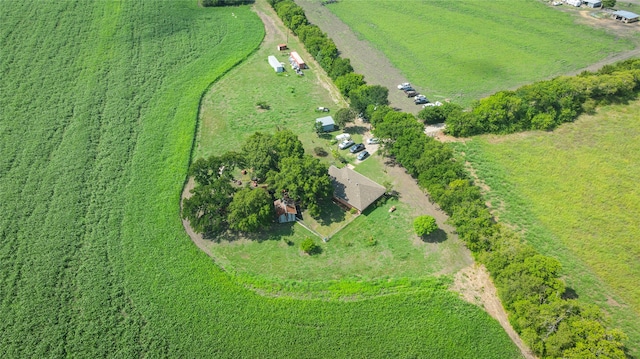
x=593 y=3
x=327 y=122
x=625 y=16
x=275 y=64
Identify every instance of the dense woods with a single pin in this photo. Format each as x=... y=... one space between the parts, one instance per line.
x=528 y=282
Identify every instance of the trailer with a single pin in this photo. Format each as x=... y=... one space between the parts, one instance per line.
x=296 y=60
x=277 y=65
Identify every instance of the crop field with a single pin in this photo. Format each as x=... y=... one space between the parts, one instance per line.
x=575 y=193
x=97 y=118
x=465 y=50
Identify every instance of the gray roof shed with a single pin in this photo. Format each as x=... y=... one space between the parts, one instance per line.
x=328 y=124
x=625 y=16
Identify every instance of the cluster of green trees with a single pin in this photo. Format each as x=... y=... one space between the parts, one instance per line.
x=217 y=205
x=324 y=50
x=528 y=283
x=542 y=105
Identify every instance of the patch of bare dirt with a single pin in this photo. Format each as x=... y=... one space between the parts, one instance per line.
x=475 y=286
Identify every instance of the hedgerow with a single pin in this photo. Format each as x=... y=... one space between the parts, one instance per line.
x=543 y=105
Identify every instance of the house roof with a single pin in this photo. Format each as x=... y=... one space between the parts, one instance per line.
x=326 y=121
x=284 y=207
x=626 y=14
x=358 y=190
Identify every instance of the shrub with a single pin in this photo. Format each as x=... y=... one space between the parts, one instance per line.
x=320 y=152
x=309 y=246
x=424 y=225
x=263 y=105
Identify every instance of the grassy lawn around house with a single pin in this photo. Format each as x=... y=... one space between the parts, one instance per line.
x=464 y=50
x=377 y=244
x=574 y=193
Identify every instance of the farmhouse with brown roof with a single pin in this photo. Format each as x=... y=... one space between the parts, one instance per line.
x=285 y=210
x=353 y=189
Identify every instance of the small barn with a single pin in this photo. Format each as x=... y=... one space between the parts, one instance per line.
x=593 y=3
x=296 y=60
x=282 y=47
x=328 y=124
x=625 y=16
x=277 y=66
x=576 y=3
x=285 y=210
x=352 y=189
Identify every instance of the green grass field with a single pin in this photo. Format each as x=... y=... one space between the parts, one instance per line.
x=464 y=50
x=575 y=193
x=97 y=117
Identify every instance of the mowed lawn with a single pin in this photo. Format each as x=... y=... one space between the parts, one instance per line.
x=464 y=50
x=229 y=114
x=575 y=193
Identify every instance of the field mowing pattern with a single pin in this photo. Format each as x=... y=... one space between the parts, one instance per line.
x=97 y=117
x=575 y=193
x=464 y=50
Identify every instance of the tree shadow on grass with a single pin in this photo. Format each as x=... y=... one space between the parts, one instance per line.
x=274 y=232
x=357 y=129
x=569 y=293
x=437 y=236
x=330 y=213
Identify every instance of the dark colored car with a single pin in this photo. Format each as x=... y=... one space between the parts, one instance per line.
x=357 y=148
x=363 y=155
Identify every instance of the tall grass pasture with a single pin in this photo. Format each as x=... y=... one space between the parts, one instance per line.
x=574 y=193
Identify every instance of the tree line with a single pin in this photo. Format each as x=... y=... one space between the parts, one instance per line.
x=529 y=284
x=543 y=105
x=218 y=203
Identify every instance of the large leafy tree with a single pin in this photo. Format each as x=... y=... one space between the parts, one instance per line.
x=287 y=144
x=250 y=210
x=260 y=154
x=366 y=95
x=206 y=209
x=306 y=180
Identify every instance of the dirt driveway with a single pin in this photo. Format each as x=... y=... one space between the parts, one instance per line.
x=365 y=59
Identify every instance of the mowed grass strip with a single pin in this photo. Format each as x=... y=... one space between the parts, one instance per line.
x=464 y=50
x=575 y=193
x=97 y=117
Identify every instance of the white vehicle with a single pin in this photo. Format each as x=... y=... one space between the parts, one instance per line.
x=373 y=141
x=404 y=85
x=343 y=137
x=346 y=144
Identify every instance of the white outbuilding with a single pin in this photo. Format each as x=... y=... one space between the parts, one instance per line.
x=277 y=65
